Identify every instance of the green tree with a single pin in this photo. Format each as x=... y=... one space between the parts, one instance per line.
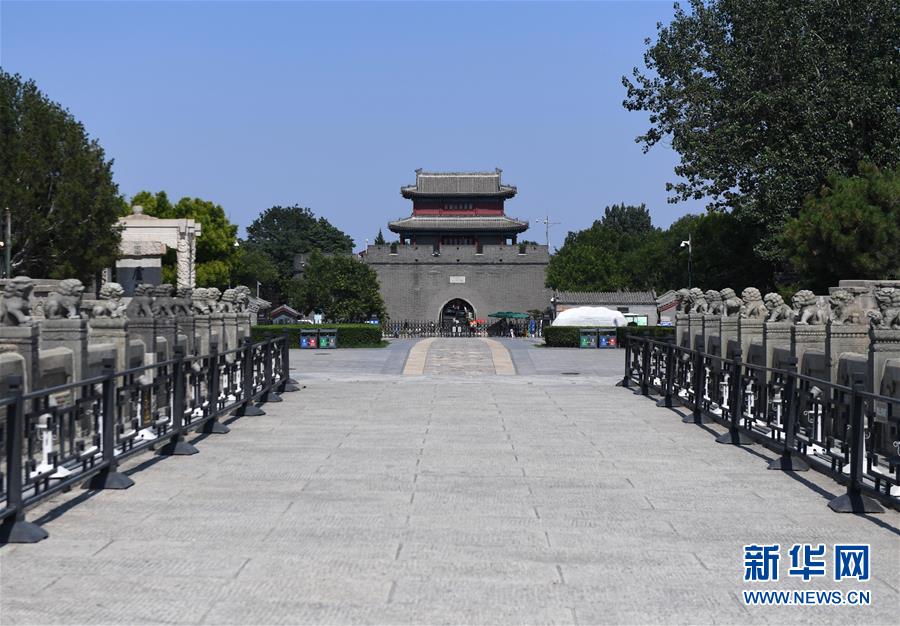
x=58 y=186
x=216 y=251
x=343 y=288
x=763 y=98
x=251 y=266
x=627 y=219
x=281 y=232
x=850 y=229
x=379 y=239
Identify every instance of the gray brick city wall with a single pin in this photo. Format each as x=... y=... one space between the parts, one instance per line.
x=416 y=284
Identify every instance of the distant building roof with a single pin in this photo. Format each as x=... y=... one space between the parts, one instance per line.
x=284 y=310
x=421 y=223
x=458 y=184
x=258 y=304
x=667 y=300
x=601 y=298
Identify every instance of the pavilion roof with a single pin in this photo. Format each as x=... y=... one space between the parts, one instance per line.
x=475 y=223
x=437 y=184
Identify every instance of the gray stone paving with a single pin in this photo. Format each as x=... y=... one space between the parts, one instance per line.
x=371 y=497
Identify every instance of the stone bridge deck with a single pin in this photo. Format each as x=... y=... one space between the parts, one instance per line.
x=442 y=497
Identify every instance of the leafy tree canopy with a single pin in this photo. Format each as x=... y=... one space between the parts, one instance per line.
x=343 y=288
x=850 y=229
x=762 y=99
x=604 y=258
x=216 y=251
x=379 y=239
x=58 y=186
x=281 y=232
x=252 y=265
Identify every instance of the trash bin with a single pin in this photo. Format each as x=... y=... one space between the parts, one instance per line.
x=309 y=339
x=606 y=339
x=328 y=338
x=587 y=338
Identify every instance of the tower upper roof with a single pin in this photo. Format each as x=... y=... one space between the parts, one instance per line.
x=437 y=184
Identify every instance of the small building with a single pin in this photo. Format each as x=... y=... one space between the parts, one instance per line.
x=458 y=256
x=284 y=315
x=637 y=306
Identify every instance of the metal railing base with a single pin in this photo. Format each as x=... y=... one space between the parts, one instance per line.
x=691 y=418
x=177 y=447
x=19 y=531
x=289 y=386
x=249 y=410
x=855 y=503
x=215 y=427
x=735 y=438
x=270 y=396
x=789 y=463
x=668 y=403
x=108 y=480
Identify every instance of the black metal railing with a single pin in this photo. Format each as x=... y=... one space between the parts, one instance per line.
x=80 y=432
x=847 y=432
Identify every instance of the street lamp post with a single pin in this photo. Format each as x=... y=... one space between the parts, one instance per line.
x=687 y=244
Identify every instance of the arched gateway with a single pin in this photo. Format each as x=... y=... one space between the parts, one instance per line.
x=456 y=311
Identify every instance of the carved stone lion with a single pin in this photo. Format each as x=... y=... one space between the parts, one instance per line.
x=200 y=301
x=163 y=302
x=888 y=314
x=141 y=304
x=64 y=302
x=228 y=302
x=806 y=303
x=682 y=300
x=182 y=302
x=242 y=297
x=753 y=307
x=111 y=305
x=213 y=296
x=15 y=305
x=731 y=304
x=778 y=310
x=698 y=301
x=714 y=302
x=844 y=309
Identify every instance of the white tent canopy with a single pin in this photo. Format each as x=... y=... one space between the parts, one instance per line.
x=590 y=316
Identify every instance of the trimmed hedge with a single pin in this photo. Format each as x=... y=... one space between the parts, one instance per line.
x=348 y=335
x=568 y=336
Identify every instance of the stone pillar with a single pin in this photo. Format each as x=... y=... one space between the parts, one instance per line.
x=750 y=333
x=185 y=253
x=143 y=328
x=230 y=324
x=113 y=330
x=712 y=334
x=165 y=336
x=23 y=340
x=71 y=334
x=695 y=322
x=808 y=346
x=776 y=336
x=683 y=330
x=730 y=336
x=884 y=346
x=201 y=333
x=184 y=325
x=845 y=342
x=217 y=329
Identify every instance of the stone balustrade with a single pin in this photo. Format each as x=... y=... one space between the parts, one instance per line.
x=62 y=337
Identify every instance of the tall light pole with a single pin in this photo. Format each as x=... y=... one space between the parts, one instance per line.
x=687 y=244
x=547 y=224
x=7 y=244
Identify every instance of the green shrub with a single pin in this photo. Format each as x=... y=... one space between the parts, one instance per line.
x=348 y=335
x=568 y=336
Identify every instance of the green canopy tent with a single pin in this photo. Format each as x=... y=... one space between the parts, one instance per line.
x=510 y=315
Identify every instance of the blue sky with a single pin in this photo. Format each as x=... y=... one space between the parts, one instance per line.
x=333 y=105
